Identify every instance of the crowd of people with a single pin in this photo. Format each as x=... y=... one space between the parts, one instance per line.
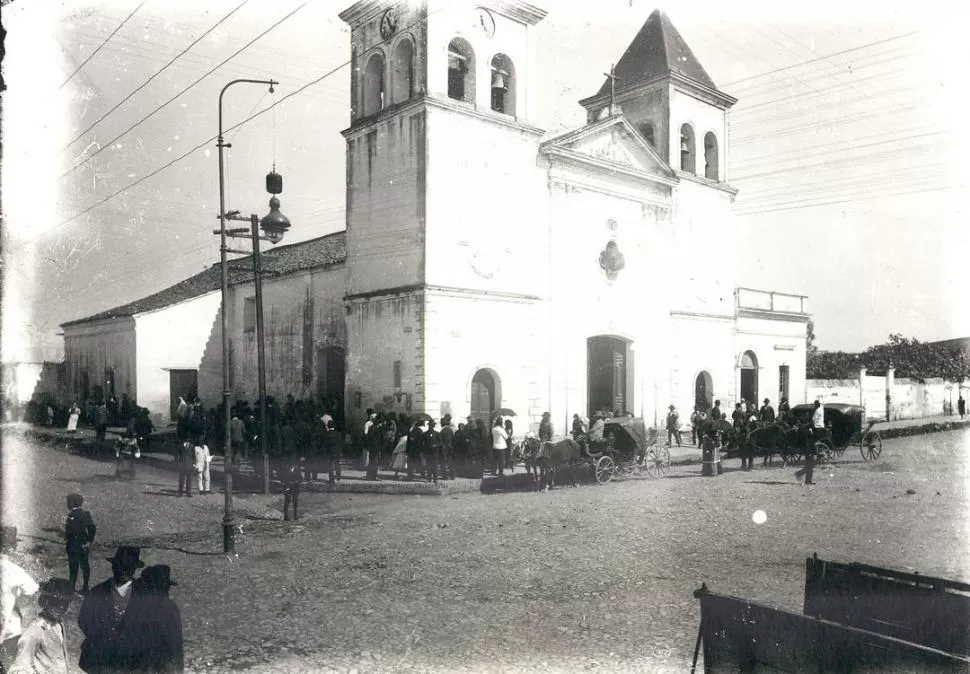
x=129 y=624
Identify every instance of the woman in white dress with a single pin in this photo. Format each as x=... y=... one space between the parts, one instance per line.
x=72 y=419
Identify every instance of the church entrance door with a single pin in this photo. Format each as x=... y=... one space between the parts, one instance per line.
x=608 y=375
x=703 y=391
x=483 y=396
x=749 y=377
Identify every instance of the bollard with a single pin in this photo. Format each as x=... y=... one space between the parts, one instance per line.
x=717 y=461
x=708 y=453
x=266 y=475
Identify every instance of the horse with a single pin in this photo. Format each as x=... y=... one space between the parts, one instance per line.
x=553 y=457
x=769 y=439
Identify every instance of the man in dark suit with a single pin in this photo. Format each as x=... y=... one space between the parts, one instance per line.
x=108 y=616
x=160 y=623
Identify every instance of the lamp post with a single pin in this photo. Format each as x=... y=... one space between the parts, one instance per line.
x=228 y=521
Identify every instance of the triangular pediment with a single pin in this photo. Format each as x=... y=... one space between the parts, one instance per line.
x=612 y=142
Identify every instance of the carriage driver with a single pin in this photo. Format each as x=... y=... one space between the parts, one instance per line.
x=596 y=430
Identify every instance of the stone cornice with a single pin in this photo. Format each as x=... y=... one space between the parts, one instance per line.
x=516 y=10
x=684 y=84
x=696 y=314
x=767 y=314
x=366 y=124
x=723 y=187
x=362 y=11
x=573 y=158
x=421 y=288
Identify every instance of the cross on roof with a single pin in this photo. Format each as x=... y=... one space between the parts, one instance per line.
x=613 y=78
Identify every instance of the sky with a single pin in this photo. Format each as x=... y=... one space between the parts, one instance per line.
x=845 y=145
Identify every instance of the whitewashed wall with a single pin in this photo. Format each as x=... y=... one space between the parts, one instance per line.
x=173 y=338
x=98 y=345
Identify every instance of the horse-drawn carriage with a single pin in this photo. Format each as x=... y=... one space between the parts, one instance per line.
x=792 y=437
x=628 y=448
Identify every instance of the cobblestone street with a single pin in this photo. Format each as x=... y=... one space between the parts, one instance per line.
x=588 y=578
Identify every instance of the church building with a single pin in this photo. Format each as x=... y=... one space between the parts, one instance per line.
x=490 y=266
x=487 y=264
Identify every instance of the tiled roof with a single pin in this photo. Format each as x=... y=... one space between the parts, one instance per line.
x=320 y=252
x=656 y=50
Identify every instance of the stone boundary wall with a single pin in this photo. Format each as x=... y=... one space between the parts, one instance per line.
x=886 y=397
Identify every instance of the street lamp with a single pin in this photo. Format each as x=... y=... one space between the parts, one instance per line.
x=274 y=225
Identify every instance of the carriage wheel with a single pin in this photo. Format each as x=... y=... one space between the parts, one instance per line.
x=871 y=446
x=790 y=455
x=657 y=461
x=605 y=467
x=823 y=452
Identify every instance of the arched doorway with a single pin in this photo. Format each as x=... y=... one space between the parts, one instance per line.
x=609 y=378
x=703 y=391
x=485 y=395
x=749 y=377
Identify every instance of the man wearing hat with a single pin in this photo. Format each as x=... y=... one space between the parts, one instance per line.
x=106 y=615
x=160 y=622
x=545 y=428
x=767 y=413
x=447 y=436
x=673 y=425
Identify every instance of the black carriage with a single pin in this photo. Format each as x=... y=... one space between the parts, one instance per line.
x=845 y=425
x=628 y=448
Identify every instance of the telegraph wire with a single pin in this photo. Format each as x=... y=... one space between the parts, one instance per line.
x=159 y=72
x=201 y=145
x=870 y=197
x=111 y=143
x=822 y=58
x=106 y=40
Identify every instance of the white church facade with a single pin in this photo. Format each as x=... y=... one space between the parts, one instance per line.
x=486 y=264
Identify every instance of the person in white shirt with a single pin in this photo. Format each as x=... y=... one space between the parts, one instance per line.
x=14 y=584
x=499 y=445
x=202 y=460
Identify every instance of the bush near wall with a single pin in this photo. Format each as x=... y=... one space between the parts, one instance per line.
x=935 y=427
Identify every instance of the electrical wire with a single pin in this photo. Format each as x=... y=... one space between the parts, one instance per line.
x=157 y=73
x=179 y=94
x=822 y=58
x=106 y=40
x=201 y=145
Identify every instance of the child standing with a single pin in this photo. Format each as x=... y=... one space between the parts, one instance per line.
x=202 y=460
x=79 y=533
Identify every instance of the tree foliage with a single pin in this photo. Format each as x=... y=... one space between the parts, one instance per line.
x=912 y=359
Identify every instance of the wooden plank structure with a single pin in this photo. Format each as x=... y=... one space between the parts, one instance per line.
x=934 y=612
x=857 y=618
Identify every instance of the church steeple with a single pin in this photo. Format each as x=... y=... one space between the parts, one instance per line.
x=666 y=94
x=657 y=50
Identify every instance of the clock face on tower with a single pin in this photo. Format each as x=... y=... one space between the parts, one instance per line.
x=484 y=21
x=389 y=23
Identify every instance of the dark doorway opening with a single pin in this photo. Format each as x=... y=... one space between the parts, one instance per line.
x=749 y=377
x=331 y=369
x=609 y=374
x=703 y=391
x=484 y=396
x=184 y=383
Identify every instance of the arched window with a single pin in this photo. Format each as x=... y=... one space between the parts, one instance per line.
x=687 y=148
x=503 y=84
x=485 y=395
x=461 y=71
x=374 y=85
x=646 y=129
x=402 y=80
x=710 y=156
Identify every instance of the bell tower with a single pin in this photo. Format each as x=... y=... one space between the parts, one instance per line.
x=441 y=180
x=664 y=91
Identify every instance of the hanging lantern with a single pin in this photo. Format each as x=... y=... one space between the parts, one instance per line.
x=274 y=182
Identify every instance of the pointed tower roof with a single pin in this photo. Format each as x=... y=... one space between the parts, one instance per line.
x=658 y=49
